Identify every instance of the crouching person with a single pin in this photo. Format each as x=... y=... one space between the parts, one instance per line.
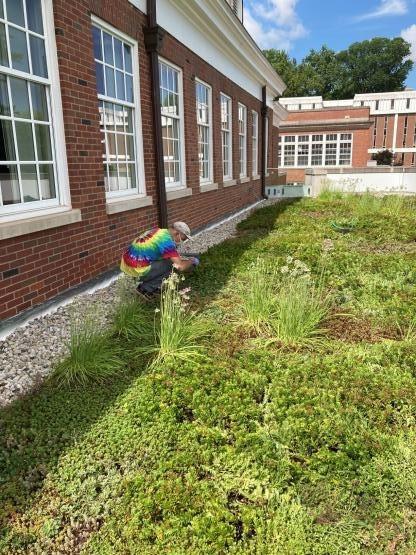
x=152 y=256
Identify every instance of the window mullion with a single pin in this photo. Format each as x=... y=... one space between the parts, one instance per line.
x=29 y=53
x=16 y=149
x=32 y=125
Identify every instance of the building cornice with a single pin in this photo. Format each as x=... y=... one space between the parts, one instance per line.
x=223 y=28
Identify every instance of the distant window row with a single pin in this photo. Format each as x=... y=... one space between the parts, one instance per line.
x=330 y=149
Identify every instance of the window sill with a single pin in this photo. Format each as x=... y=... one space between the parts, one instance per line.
x=245 y=179
x=178 y=193
x=255 y=177
x=205 y=187
x=229 y=183
x=115 y=206
x=24 y=226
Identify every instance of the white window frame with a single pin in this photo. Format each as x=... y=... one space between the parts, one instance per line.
x=254 y=143
x=62 y=201
x=242 y=141
x=210 y=178
x=140 y=189
x=323 y=142
x=229 y=176
x=181 y=184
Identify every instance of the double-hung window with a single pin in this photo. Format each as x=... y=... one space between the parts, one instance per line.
x=204 y=122
x=255 y=143
x=29 y=102
x=171 y=101
x=118 y=103
x=242 y=138
x=226 y=137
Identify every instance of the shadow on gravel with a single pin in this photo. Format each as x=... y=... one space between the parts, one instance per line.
x=36 y=430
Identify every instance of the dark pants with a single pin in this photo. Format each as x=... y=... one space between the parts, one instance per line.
x=159 y=270
x=152 y=281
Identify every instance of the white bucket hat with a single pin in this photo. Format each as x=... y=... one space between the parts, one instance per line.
x=183 y=228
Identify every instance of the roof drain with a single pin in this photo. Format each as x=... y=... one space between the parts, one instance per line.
x=153 y=38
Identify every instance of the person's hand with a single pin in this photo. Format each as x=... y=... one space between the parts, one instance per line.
x=195 y=261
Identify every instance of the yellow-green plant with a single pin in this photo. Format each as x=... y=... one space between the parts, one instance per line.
x=177 y=330
x=258 y=294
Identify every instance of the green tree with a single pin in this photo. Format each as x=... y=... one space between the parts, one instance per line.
x=375 y=65
x=327 y=71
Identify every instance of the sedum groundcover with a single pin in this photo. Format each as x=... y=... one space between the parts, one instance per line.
x=258 y=448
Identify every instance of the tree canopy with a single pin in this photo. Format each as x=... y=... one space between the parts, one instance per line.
x=375 y=65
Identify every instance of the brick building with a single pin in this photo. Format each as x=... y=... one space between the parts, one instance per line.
x=336 y=133
x=116 y=117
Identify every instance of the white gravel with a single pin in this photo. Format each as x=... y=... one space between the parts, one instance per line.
x=28 y=354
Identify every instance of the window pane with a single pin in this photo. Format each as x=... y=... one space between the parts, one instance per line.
x=1 y=10
x=24 y=140
x=120 y=85
x=96 y=39
x=9 y=184
x=4 y=97
x=18 y=49
x=4 y=59
x=118 y=53
x=37 y=52
x=43 y=142
x=130 y=148
x=99 y=72
x=122 y=179
x=29 y=183
x=127 y=59
x=39 y=102
x=109 y=82
x=119 y=115
x=108 y=48
x=7 y=151
x=20 y=98
x=34 y=16
x=111 y=147
x=109 y=116
x=129 y=120
x=131 y=176
x=112 y=177
x=15 y=12
x=47 y=181
x=121 y=147
x=129 y=88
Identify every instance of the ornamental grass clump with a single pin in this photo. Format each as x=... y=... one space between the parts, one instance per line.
x=259 y=296
x=177 y=331
x=301 y=306
x=130 y=321
x=92 y=357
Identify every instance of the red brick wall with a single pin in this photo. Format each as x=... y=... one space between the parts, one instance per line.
x=36 y=267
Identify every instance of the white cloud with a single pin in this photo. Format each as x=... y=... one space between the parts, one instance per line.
x=273 y=23
x=409 y=35
x=386 y=8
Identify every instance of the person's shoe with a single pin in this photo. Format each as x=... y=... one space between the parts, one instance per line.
x=144 y=295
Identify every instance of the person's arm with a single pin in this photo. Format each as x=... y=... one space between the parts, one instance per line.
x=183 y=264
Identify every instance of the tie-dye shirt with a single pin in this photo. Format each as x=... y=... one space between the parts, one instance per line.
x=155 y=244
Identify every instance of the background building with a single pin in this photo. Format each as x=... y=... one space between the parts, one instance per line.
x=114 y=118
x=336 y=133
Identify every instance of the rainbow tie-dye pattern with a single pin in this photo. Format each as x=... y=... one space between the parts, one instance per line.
x=155 y=244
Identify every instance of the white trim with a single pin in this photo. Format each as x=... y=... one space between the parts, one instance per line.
x=228 y=176
x=267 y=146
x=210 y=133
x=140 y=189
x=140 y=4
x=211 y=30
x=182 y=170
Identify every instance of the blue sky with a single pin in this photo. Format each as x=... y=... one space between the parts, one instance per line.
x=299 y=25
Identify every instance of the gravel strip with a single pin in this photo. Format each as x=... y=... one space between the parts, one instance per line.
x=28 y=354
